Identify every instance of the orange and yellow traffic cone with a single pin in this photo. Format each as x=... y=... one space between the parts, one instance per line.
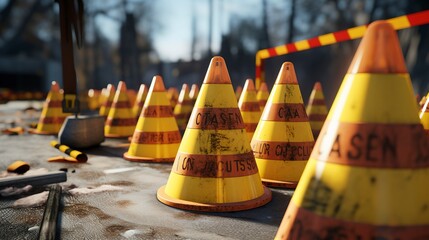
x=108 y=96
x=193 y=93
x=139 y=102
x=132 y=96
x=93 y=99
x=215 y=169
x=249 y=108
x=283 y=140
x=183 y=108
x=367 y=175
x=120 y=122
x=423 y=101
x=156 y=137
x=424 y=114
x=262 y=95
x=52 y=116
x=316 y=109
x=173 y=96
x=238 y=91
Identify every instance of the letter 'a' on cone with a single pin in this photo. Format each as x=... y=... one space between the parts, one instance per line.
x=215 y=169
x=108 y=96
x=283 y=140
x=262 y=95
x=367 y=175
x=52 y=116
x=249 y=108
x=156 y=137
x=120 y=122
x=139 y=102
x=424 y=114
x=316 y=109
x=183 y=108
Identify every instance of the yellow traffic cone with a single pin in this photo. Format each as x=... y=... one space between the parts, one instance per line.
x=93 y=99
x=108 y=96
x=120 y=122
x=424 y=114
x=367 y=175
x=193 y=93
x=249 y=108
x=238 y=91
x=132 y=96
x=52 y=116
x=183 y=108
x=283 y=140
x=262 y=95
x=173 y=96
x=214 y=169
x=156 y=137
x=423 y=101
x=139 y=102
x=316 y=109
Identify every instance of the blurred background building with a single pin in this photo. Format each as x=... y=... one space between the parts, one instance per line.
x=132 y=40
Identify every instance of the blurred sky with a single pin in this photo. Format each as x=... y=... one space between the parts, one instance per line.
x=173 y=35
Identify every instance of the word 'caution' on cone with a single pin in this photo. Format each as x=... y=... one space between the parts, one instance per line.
x=367 y=175
x=262 y=95
x=107 y=97
x=183 y=108
x=215 y=169
x=52 y=116
x=424 y=114
x=156 y=137
x=249 y=107
x=283 y=140
x=139 y=102
x=316 y=109
x=120 y=122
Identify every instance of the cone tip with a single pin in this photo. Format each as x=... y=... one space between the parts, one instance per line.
x=263 y=87
x=249 y=85
x=55 y=86
x=287 y=74
x=185 y=87
x=379 y=51
x=318 y=86
x=217 y=73
x=122 y=86
x=157 y=84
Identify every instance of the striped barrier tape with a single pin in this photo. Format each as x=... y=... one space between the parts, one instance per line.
x=401 y=22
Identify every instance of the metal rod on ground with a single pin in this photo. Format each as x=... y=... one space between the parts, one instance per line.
x=34 y=180
x=50 y=216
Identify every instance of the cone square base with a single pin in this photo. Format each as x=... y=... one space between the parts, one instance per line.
x=147 y=159
x=279 y=184
x=213 y=207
